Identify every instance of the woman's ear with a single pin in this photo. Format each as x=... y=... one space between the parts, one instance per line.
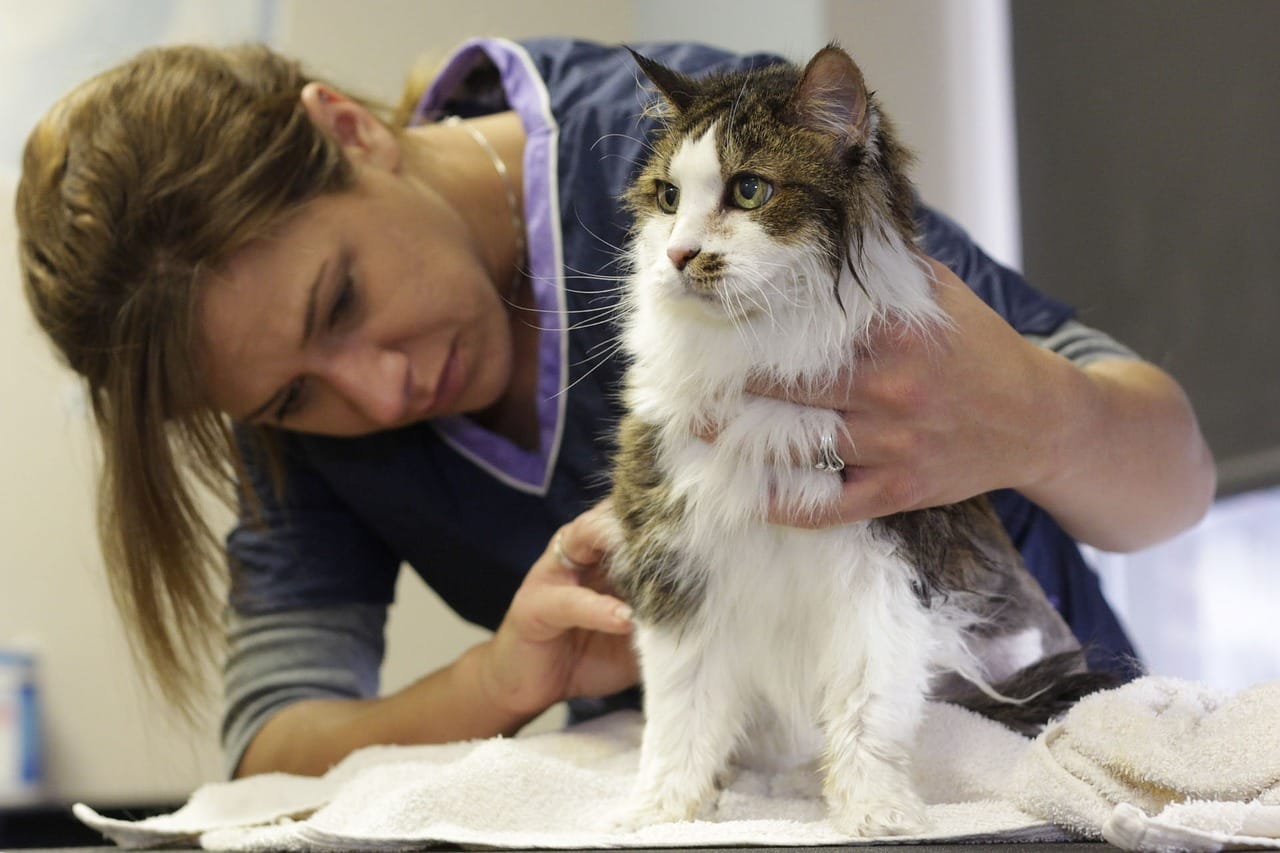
x=363 y=138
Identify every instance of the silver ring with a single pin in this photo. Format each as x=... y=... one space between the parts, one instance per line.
x=828 y=459
x=557 y=547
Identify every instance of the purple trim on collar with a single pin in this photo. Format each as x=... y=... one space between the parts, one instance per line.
x=526 y=94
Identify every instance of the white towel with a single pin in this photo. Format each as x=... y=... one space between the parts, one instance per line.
x=1162 y=764
x=1138 y=747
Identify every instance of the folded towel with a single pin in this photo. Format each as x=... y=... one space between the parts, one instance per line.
x=1196 y=827
x=1150 y=761
x=1159 y=755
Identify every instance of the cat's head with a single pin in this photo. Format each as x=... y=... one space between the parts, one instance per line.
x=766 y=184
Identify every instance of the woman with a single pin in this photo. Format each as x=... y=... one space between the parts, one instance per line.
x=410 y=332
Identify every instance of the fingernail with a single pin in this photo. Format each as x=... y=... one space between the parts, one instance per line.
x=623 y=612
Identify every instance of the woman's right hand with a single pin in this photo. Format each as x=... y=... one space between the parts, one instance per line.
x=565 y=635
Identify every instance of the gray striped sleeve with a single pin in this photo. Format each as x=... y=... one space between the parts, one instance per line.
x=1082 y=344
x=274 y=659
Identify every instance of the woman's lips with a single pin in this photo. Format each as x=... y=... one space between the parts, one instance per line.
x=448 y=385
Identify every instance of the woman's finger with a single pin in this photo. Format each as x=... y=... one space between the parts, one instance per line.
x=864 y=493
x=565 y=607
x=584 y=542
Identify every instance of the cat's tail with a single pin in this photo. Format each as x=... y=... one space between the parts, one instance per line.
x=1037 y=693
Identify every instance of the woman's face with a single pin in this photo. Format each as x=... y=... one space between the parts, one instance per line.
x=369 y=310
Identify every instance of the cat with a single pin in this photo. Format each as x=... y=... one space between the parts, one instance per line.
x=773 y=229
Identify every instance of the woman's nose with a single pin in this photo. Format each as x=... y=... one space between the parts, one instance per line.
x=373 y=380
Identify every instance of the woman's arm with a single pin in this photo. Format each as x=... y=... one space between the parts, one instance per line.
x=309 y=736
x=1129 y=466
x=1112 y=450
x=562 y=637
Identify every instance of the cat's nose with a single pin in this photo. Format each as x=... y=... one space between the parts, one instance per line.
x=681 y=255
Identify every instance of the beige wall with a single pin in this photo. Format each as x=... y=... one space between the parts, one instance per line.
x=108 y=742
x=367 y=46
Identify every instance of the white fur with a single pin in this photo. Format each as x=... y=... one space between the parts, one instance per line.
x=1003 y=656
x=809 y=644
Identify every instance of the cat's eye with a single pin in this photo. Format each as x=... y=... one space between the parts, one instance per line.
x=668 y=196
x=750 y=191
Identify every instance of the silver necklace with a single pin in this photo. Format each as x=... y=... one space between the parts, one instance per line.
x=513 y=206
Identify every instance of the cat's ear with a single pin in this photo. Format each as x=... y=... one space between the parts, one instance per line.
x=831 y=98
x=678 y=89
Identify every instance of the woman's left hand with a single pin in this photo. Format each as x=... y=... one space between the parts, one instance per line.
x=1112 y=450
x=938 y=415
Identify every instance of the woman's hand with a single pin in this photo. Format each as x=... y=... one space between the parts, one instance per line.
x=564 y=635
x=938 y=415
x=1113 y=451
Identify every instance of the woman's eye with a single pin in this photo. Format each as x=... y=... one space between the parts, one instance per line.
x=345 y=302
x=292 y=401
x=668 y=196
x=751 y=191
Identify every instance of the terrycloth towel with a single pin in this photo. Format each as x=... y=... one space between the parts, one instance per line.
x=561 y=789
x=1153 y=743
x=1162 y=764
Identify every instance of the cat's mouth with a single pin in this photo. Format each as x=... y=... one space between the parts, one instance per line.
x=718 y=298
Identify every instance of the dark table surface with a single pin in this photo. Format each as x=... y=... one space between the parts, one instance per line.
x=1082 y=847
x=53 y=827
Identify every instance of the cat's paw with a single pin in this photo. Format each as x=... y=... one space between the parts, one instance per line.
x=651 y=811
x=727 y=777
x=902 y=816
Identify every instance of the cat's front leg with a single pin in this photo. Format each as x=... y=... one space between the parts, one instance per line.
x=692 y=723
x=871 y=713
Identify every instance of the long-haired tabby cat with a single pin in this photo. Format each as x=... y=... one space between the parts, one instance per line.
x=773 y=230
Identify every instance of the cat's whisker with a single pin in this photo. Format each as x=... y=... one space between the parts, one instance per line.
x=602 y=321
x=598 y=317
x=604 y=359
x=644 y=143
x=599 y=345
x=761 y=305
x=583 y=275
x=612 y=247
x=528 y=310
x=746 y=318
x=789 y=299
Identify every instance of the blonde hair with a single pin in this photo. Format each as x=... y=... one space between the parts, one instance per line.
x=135 y=187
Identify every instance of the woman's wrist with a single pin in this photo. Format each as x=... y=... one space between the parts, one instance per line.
x=478 y=672
x=1062 y=426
